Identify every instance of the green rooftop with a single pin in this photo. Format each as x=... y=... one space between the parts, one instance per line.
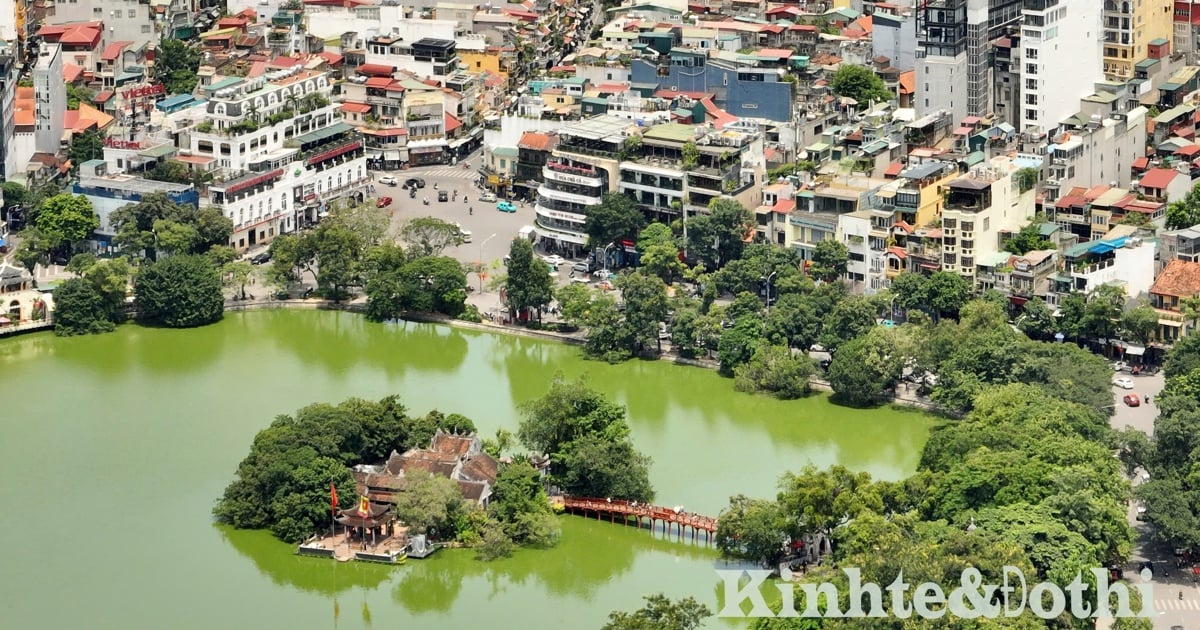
x=1047 y=229
x=324 y=134
x=1158 y=42
x=1146 y=64
x=673 y=132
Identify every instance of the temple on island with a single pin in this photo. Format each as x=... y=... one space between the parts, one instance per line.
x=457 y=457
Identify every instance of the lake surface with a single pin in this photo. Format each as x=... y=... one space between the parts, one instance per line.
x=115 y=447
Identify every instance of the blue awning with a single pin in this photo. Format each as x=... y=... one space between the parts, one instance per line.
x=3 y=242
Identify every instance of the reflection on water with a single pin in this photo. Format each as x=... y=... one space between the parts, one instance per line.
x=143 y=428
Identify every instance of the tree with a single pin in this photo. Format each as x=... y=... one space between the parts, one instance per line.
x=1027 y=239
x=1140 y=322
x=568 y=411
x=821 y=501
x=661 y=613
x=213 y=227
x=659 y=256
x=608 y=337
x=910 y=290
x=849 y=320
x=79 y=309
x=752 y=529
x=829 y=260
x=1038 y=320
x=574 y=302
x=645 y=307
x=529 y=286
x=33 y=249
x=1184 y=213
x=338 y=252
x=85 y=146
x=110 y=278
x=615 y=218
x=866 y=366
x=291 y=256
x=860 y=83
x=237 y=274
x=1103 y=310
x=1027 y=178
x=15 y=194
x=737 y=344
x=77 y=95
x=947 y=293
x=173 y=237
x=429 y=502
x=428 y=236
x=719 y=237
x=67 y=219
x=596 y=467
x=179 y=292
x=136 y=225
x=1183 y=357
x=519 y=504
x=775 y=370
x=793 y=322
x=176 y=65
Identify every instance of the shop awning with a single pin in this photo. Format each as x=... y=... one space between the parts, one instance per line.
x=561 y=236
x=1135 y=351
x=391 y=156
x=1170 y=322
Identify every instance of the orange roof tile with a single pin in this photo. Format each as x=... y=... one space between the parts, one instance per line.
x=1158 y=177
x=537 y=141
x=452 y=123
x=1180 y=278
x=356 y=108
x=72 y=72
x=908 y=82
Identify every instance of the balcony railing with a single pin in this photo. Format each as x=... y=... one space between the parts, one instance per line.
x=329 y=154
x=573 y=170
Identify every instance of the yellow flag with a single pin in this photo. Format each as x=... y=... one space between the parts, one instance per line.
x=364 y=507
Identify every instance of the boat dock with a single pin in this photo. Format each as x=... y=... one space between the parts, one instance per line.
x=387 y=550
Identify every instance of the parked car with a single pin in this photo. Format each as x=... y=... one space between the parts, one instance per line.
x=578 y=280
x=389 y=180
x=1120 y=366
x=488 y=197
x=1123 y=382
x=505 y=206
x=1132 y=400
x=603 y=274
x=443 y=195
x=260 y=258
x=465 y=235
x=414 y=182
x=554 y=260
x=581 y=267
x=383 y=202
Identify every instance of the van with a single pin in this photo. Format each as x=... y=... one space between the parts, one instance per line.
x=465 y=235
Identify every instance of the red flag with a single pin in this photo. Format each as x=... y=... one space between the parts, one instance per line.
x=364 y=507
x=332 y=496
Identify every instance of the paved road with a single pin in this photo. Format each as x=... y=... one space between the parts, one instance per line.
x=1169 y=581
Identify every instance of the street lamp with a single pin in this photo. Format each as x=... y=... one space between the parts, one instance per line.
x=769 y=279
x=480 y=273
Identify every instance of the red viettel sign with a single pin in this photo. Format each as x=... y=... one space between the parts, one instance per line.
x=131 y=145
x=145 y=90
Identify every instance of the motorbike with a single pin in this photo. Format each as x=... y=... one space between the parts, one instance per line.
x=426 y=200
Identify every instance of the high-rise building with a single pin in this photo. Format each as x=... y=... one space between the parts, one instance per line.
x=1060 y=60
x=50 y=99
x=953 y=72
x=1130 y=26
x=8 y=93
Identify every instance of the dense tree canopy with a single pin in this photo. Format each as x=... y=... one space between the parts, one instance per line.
x=587 y=439
x=718 y=237
x=615 y=218
x=176 y=65
x=860 y=83
x=529 y=286
x=179 y=292
x=661 y=613
x=67 y=219
x=156 y=222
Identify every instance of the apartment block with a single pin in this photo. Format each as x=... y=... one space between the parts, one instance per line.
x=1098 y=145
x=1130 y=27
x=979 y=207
x=1179 y=281
x=50 y=96
x=1060 y=60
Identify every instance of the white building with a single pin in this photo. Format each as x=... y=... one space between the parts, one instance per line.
x=951 y=65
x=8 y=20
x=50 y=95
x=979 y=207
x=124 y=20
x=1061 y=61
x=1099 y=148
x=361 y=22
x=895 y=37
x=864 y=233
x=9 y=70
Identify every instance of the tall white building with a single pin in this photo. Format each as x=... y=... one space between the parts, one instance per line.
x=1061 y=60
x=50 y=96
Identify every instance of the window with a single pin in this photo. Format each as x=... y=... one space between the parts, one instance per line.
x=1031 y=68
x=97 y=11
x=503 y=163
x=145 y=28
x=132 y=13
x=1031 y=114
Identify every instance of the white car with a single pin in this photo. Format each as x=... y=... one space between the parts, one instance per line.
x=390 y=180
x=603 y=274
x=554 y=259
x=487 y=196
x=1123 y=383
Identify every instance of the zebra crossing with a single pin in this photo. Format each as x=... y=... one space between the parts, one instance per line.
x=448 y=171
x=1174 y=603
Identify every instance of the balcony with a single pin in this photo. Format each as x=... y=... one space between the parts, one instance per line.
x=329 y=152
x=568 y=174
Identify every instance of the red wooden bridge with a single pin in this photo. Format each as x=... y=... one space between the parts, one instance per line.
x=641 y=512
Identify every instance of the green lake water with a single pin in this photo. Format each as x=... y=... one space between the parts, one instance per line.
x=115 y=447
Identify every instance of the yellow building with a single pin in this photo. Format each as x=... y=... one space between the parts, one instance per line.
x=916 y=194
x=1129 y=27
x=494 y=59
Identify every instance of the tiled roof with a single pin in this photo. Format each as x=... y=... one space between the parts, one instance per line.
x=450 y=444
x=356 y=108
x=113 y=51
x=375 y=69
x=537 y=141
x=1180 y=278
x=452 y=123
x=1158 y=178
x=71 y=72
